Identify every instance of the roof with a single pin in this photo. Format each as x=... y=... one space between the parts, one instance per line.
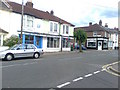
x=96 y=27
x=17 y=8
x=3 y=31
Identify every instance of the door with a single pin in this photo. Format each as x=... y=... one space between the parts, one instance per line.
x=99 y=45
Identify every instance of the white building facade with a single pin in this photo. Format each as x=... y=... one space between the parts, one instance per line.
x=40 y=28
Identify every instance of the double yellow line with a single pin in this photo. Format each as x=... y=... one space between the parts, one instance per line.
x=108 y=68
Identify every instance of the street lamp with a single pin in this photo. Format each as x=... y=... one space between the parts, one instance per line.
x=60 y=22
x=21 y=36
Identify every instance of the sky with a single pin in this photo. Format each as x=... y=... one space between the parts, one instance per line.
x=81 y=12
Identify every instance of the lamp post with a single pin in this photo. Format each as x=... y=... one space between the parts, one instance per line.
x=60 y=22
x=21 y=36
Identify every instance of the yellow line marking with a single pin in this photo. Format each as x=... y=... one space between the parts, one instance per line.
x=106 y=67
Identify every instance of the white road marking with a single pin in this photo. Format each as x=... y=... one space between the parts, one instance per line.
x=96 y=72
x=77 y=79
x=62 y=85
x=17 y=65
x=103 y=69
x=88 y=75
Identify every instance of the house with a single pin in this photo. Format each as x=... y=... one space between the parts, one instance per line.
x=43 y=29
x=100 y=37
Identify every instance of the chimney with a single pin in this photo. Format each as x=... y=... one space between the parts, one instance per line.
x=90 y=23
x=29 y=3
x=52 y=12
x=106 y=25
x=100 y=22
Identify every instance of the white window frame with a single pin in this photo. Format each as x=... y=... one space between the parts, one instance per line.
x=30 y=22
x=51 y=26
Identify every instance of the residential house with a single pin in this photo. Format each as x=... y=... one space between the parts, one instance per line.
x=100 y=37
x=43 y=29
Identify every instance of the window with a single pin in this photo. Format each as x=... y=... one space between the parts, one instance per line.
x=63 y=29
x=0 y=40
x=29 y=39
x=95 y=33
x=29 y=21
x=91 y=44
x=52 y=42
x=105 y=44
x=51 y=26
x=105 y=34
x=30 y=47
x=66 y=43
x=55 y=27
x=67 y=29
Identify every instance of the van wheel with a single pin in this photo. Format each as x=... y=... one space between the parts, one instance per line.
x=36 y=55
x=9 y=57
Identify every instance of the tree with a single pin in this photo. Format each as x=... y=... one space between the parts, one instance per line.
x=81 y=37
x=11 y=41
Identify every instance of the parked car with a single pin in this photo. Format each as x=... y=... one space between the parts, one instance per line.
x=21 y=50
x=83 y=47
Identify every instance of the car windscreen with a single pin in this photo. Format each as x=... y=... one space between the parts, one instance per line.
x=14 y=47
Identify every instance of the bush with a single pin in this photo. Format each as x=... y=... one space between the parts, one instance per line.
x=11 y=41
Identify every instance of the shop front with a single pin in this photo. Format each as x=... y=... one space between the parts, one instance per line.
x=100 y=43
x=33 y=39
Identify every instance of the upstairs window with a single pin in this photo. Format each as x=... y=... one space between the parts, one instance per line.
x=55 y=27
x=67 y=29
x=29 y=21
x=63 y=29
x=105 y=34
x=94 y=34
x=51 y=26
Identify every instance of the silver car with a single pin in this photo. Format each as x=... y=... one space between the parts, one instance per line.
x=21 y=50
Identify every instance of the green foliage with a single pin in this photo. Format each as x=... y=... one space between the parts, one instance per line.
x=11 y=41
x=81 y=37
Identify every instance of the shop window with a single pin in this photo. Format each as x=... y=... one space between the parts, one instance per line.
x=52 y=42
x=29 y=39
x=91 y=44
x=105 y=45
x=66 y=43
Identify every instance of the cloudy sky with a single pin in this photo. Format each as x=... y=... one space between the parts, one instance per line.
x=81 y=12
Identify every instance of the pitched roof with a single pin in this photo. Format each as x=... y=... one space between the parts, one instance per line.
x=3 y=31
x=96 y=27
x=17 y=8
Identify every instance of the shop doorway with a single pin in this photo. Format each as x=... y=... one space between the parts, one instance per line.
x=99 y=45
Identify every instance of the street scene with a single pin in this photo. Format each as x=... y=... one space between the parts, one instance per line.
x=59 y=44
x=62 y=70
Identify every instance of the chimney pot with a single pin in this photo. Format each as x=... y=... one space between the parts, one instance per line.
x=29 y=3
x=100 y=22
x=90 y=23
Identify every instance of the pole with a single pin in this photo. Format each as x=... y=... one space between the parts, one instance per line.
x=21 y=36
x=60 y=34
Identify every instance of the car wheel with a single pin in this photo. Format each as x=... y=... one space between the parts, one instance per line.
x=36 y=55
x=9 y=57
